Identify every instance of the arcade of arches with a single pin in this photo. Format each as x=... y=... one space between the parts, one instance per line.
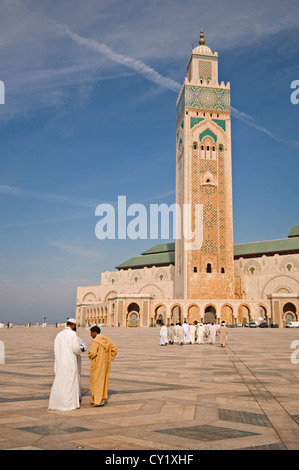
x=139 y=313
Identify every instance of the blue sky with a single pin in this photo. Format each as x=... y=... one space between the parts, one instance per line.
x=89 y=114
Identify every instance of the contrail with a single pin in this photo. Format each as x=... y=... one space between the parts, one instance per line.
x=137 y=65
x=152 y=75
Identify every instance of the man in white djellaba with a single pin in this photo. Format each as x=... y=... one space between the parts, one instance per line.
x=200 y=334
x=163 y=335
x=212 y=333
x=65 y=389
x=192 y=332
x=186 y=329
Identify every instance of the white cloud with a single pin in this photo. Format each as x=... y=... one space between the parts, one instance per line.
x=78 y=251
x=57 y=198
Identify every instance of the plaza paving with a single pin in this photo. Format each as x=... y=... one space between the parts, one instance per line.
x=191 y=397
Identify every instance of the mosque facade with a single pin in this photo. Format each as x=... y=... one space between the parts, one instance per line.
x=210 y=279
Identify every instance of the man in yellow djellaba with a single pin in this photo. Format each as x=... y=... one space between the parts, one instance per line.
x=102 y=351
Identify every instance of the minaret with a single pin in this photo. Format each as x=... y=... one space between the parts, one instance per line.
x=204 y=180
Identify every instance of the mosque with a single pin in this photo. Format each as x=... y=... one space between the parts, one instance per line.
x=214 y=280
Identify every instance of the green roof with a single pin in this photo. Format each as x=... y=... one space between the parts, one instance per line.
x=167 y=247
x=270 y=246
x=294 y=232
x=156 y=259
x=164 y=254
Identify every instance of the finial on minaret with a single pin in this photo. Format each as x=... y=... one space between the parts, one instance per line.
x=202 y=38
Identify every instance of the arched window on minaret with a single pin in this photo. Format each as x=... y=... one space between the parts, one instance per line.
x=209 y=268
x=202 y=151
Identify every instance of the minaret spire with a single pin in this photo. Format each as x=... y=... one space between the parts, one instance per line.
x=202 y=38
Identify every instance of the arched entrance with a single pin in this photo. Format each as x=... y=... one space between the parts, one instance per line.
x=263 y=313
x=210 y=314
x=176 y=314
x=289 y=313
x=193 y=314
x=244 y=314
x=133 y=316
x=160 y=314
x=227 y=314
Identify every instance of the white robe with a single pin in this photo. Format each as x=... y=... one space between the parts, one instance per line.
x=186 y=329
x=192 y=333
x=200 y=334
x=212 y=333
x=65 y=389
x=163 y=335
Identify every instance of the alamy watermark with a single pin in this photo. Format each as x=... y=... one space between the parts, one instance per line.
x=160 y=221
x=295 y=94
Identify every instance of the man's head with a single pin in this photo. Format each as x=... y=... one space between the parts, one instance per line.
x=71 y=323
x=94 y=331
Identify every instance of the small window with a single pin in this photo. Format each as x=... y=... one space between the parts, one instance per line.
x=214 y=149
x=195 y=269
x=222 y=270
x=194 y=145
x=202 y=147
x=208 y=148
x=209 y=268
x=208 y=180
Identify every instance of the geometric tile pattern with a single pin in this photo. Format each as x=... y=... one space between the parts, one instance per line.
x=245 y=417
x=54 y=429
x=207 y=433
x=277 y=446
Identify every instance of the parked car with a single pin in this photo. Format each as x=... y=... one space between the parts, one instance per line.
x=263 y=324
x=293 y=324
x=252 y=324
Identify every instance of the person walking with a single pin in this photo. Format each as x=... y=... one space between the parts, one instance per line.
x=102 y=351
x=163 y=335
x=200 y=334
x=170 y=334
x=223 y=335
x=212 y=333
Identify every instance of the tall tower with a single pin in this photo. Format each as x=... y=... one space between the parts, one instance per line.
x=204 y=180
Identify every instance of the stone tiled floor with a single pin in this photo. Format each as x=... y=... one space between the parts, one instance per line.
x=244 y=396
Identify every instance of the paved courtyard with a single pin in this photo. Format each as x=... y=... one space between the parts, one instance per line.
x=244 y=396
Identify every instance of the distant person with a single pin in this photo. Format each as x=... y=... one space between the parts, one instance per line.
x=181 y=334
x=192 y=333
x=212 y=333
x=170 y=334
x=186 y=329
x=223 y=334
x=102 y=351
x=163 y=335
x=201 y=334
x=65 y=389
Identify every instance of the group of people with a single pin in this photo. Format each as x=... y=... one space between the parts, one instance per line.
x=66 y=389
x=196 y=333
